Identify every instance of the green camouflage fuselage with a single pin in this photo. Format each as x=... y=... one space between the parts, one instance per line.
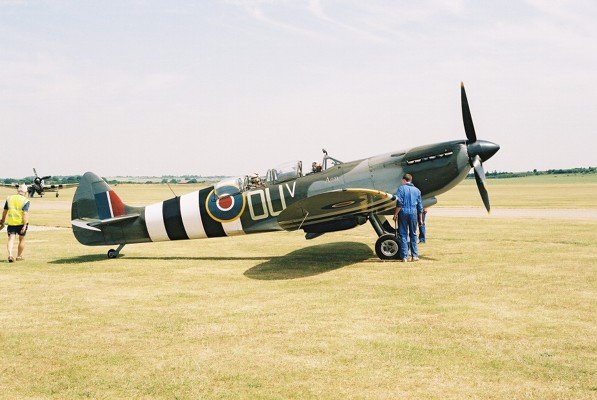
x=100 y=218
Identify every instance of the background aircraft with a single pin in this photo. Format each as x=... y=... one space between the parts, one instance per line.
x=341 y=196
x=40 y=187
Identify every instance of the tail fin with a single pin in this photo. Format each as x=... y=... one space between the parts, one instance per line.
x=94 y=199
x=99 y=216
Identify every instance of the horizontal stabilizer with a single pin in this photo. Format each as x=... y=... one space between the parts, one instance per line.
x=96 y=225
x=113 y=221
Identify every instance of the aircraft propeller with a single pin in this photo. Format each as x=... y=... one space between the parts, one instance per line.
x=478 y=150
x=38 y=179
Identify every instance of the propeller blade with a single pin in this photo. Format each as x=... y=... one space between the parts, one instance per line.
x=480 y=178
x=35 y=172
x=46 y=177
x=469 y=128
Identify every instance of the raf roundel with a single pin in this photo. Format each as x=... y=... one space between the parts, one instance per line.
x=226 y=208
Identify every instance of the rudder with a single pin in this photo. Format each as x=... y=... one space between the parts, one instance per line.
x=99 y=217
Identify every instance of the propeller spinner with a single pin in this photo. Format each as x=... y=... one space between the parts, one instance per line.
x=478 y=150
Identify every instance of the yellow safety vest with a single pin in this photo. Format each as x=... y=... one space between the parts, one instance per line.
x=16 y=202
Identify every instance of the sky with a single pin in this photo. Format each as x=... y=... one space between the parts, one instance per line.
x=236 y=87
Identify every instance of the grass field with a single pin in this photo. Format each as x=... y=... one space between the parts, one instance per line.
x=497 y=308
x=543 y=191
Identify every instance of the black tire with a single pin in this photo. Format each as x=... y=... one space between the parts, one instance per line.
x=56 y=194
x=112 y=253
x=387 y=247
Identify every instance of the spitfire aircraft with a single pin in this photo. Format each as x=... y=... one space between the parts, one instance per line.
x=335 y=197
x=40 y=187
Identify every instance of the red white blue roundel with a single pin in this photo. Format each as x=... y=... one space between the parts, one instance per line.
x=226 y=208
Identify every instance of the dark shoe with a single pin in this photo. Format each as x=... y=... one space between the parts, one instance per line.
x=415 y=259
x=10 y=259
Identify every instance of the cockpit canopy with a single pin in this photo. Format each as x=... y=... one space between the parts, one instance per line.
x=285 y=172
x=282 y=173
x=229 y=186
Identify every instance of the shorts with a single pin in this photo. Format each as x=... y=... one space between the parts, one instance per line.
x=15 y=230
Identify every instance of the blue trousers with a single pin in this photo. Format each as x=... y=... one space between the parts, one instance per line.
x=422 y=229
x=407 y=228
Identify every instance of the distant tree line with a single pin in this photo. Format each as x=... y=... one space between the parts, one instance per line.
x=54 y=179
x=569 y=171
x=184 y=179
x=127 y=179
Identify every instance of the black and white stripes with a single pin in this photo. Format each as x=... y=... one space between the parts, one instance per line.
x=185 y=217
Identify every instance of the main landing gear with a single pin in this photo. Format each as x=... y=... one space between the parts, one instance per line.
x=114 y=253
x=387 y=246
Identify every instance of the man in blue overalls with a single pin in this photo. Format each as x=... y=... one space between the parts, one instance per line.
x=409 y=212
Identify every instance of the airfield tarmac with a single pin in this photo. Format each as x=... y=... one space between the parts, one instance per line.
x=499 y=307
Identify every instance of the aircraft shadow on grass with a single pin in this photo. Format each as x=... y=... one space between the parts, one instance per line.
x=309 y=261
x=101 y=257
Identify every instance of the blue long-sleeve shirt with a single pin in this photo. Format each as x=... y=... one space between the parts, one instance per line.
x=409 y=199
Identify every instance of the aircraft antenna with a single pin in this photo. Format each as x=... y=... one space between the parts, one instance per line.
x=169 y=187
x=303 y=221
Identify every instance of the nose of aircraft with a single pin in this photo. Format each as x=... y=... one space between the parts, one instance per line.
x=484 y=149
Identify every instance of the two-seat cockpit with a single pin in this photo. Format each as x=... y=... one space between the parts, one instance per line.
x=282 y=173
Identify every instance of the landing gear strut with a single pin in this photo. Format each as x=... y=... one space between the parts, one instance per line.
x=387 y=246
x=114 y=253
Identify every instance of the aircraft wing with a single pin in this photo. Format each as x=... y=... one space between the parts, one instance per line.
x=11 y=185
x=335 y=205
x=56 y=186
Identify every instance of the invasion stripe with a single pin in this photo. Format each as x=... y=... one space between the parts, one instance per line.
x=356 y=209
x=233 y=228
x=191 y=217
x=289 y=225
x=212 y=228
x=173 y=219
x=154 y=220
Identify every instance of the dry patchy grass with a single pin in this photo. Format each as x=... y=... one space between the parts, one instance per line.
x=543 y=191
x=497 y=308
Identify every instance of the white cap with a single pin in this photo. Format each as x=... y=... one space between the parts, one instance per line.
x=22 y=188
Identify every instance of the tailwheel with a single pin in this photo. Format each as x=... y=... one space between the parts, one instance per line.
x=114 y=253
x=387 y=247
x=56 y=194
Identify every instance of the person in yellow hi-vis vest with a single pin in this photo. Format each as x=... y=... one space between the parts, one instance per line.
x=15 y=215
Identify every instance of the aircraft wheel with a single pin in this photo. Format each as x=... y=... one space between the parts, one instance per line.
x=56 y=194
x=112 y=253
x=387 y=247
